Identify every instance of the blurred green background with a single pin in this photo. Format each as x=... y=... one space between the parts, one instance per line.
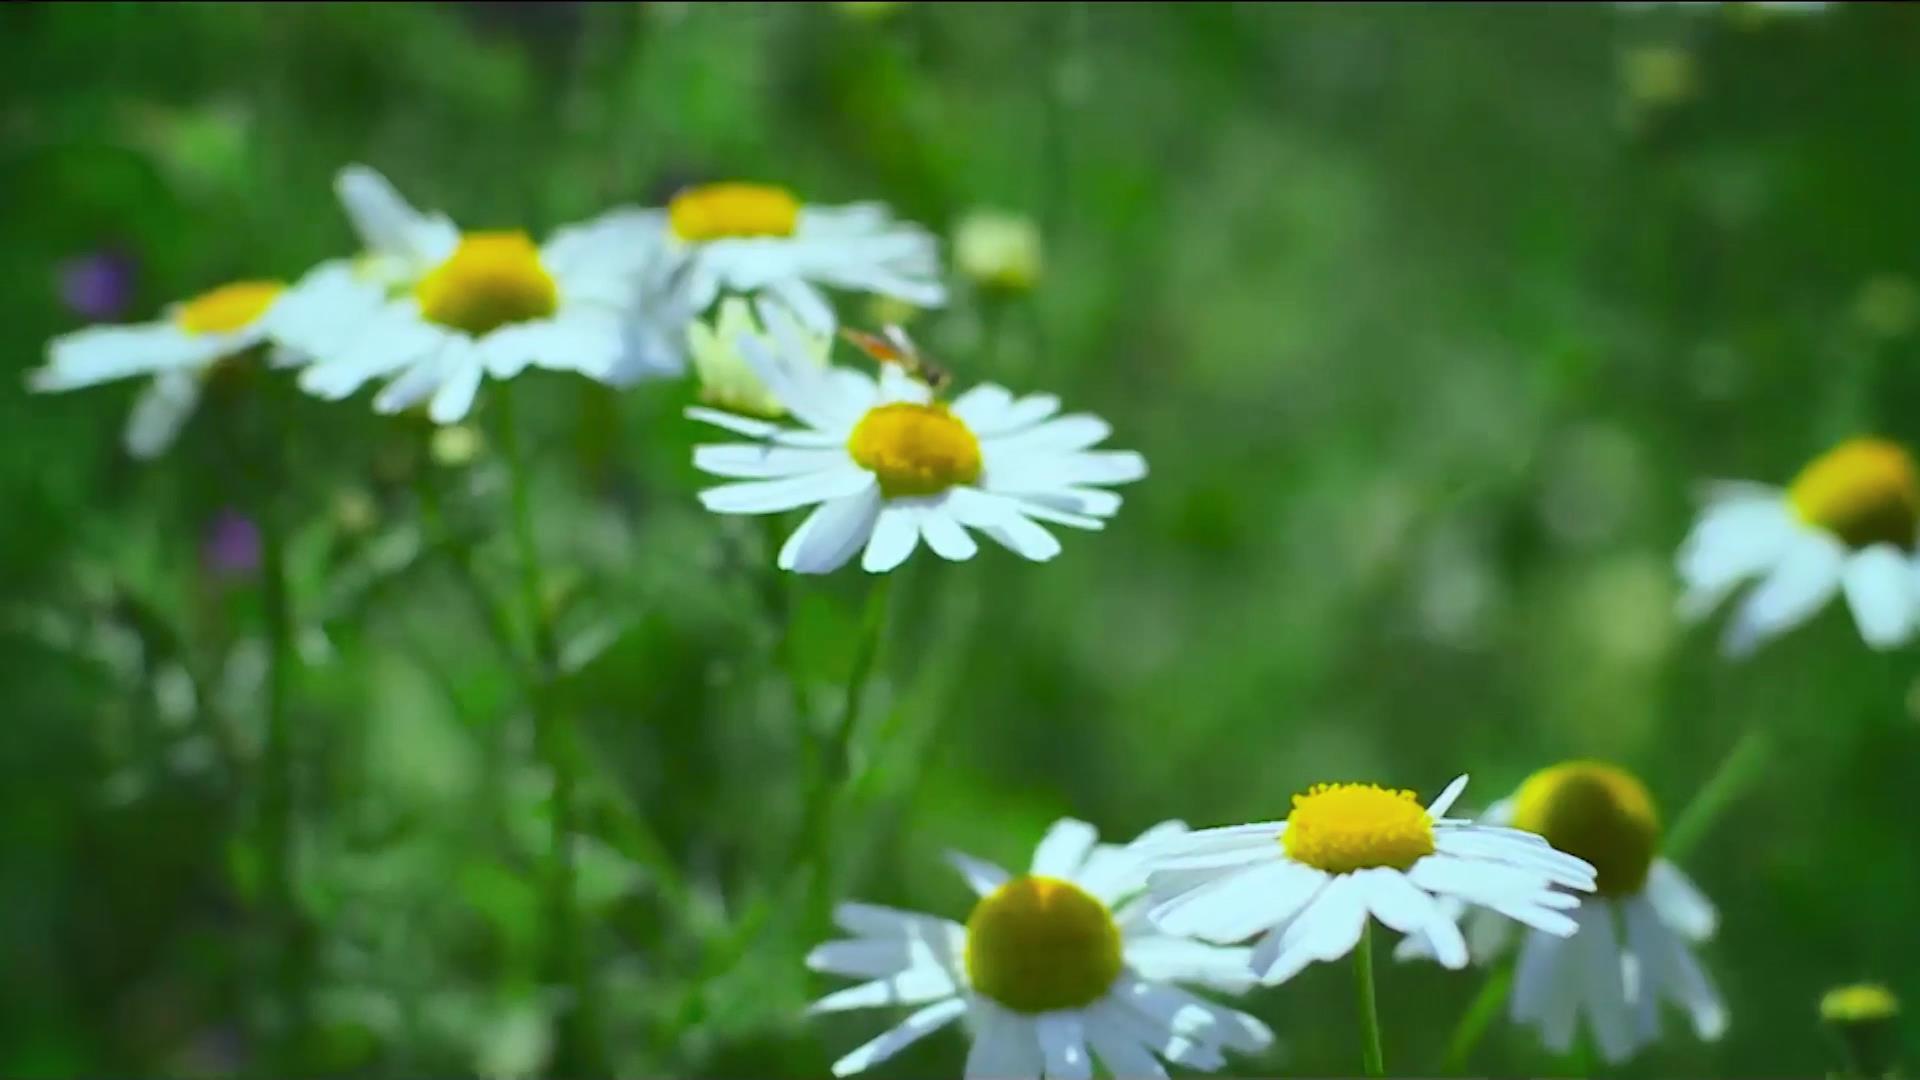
x=1428 y=319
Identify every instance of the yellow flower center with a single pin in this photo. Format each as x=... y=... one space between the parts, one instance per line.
x=227 y=308
x=915 y=449
x=716 y=211
x=1597 y=812
x=1037 y=944
x=1861 y=1003
x=1341 y=828
x=490 y=280
x=1863 y=491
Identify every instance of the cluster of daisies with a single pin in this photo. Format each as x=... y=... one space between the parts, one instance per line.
x=735 y=277
x=1093 y=954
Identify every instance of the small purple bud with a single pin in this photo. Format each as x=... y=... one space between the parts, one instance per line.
x=97 y=286
x=232 y=546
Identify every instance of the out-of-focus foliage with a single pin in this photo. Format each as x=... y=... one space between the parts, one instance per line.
x=1427 y=318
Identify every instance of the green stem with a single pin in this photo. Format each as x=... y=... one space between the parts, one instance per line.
x=577 y=1045
x=1740 y=768
x=1478 y=1017
x=1372 y=1061
x=276 y=787
x=835 y=762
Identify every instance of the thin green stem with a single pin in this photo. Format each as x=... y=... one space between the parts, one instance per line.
x=576 y=1050
x=1475 y=1021
x=1740 y=768
x=1372 y=1061
x=835 y=763
x=277 y=847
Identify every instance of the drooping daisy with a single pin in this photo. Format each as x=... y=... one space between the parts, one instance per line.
x=1847 y=523
x=1347 y=851
x=1051 y=970
x=887 y=465
x=726 y=380
x=447 y=308
x=180 y=351
x=760 y=239
x=1632 y=950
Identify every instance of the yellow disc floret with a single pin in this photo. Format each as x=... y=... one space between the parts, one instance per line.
x=717 y=211
x=1341 y=828
x=1863 y=491
x=1598 y=812
x=228 y=308
x=1037 y=944
x=915 y=449
x=490 y=280
x=1860 y=1003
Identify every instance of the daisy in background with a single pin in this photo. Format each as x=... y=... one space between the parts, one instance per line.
x=727 y=381
x=439 y=309
x=1633 y=949
x=1847 y=524
x=760 y=240
x=887 y=465
x=1051 y=971
x=1347 y=852
x=182 y=349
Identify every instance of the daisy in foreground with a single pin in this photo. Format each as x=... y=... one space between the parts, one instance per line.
x=1848 y=523
x=182 y=350
x=1616 y=980
x=1047 y=971
x=887 y=465
x=439 y=308
x=1308 y=884
x=758 y=239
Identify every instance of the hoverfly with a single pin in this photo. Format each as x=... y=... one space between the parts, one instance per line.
x=893 y=346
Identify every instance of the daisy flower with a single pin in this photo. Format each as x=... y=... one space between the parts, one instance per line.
x=1846 y=524
x=726 y=380
x=887 y=465
x=438 y=309
x=760 y=239
x=1047 y=970
x=1633 y=948
x=180 y=351
x=1308 y=884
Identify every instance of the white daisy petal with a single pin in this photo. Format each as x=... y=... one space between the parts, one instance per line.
x=1669 y=970
x=1063 y=849
x=1063 y=1045
x=160 y=411
x=761 y=461
x=831 y=534
x=982 y=877
x=870 y=958
x=788 y=492
x=945 y=535
x=1734 y=540
x=1596 y=955
x=1111 y=1032
x=920 y=1024
x=739 y=425
x=1880 y=588
x=909 y=987
x=455 y=395
x=1439 y=807
x=1004 y=1046
x=873 y=920
x=982 y=406
x=1542 y=993
x=1679 y=903
x=1327 y=929
x=1174 y=959
x=1804 y=579
x=895 y=534
x=1242 y=904
x=1396 y=902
